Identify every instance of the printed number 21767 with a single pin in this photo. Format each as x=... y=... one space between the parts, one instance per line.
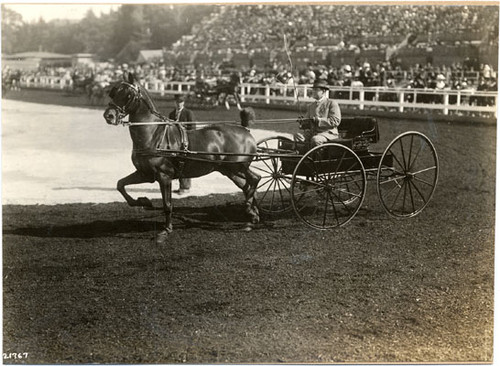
x=15 y=355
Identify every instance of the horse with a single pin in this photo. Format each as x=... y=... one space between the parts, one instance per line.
x=84 y=83
x=11 y=81
x=227 y=88
x=227 y=149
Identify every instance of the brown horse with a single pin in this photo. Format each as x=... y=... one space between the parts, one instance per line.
x=227 y=149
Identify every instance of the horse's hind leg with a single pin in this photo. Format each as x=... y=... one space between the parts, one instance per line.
x=237 y=98
x=134 y=178
x=247 y=181
x=226 y=102
x=166 y=194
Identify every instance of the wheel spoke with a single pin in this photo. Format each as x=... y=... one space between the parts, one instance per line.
x=326 y=208
x=343 y=203
x=334 y=209
x=418 y=191
x=409 y=154
x=261 y=169
x=267 y=190
x=352 y=166
x=275 y=164
x=310 y=182
x=405 y=167
x=424 y=182
x=349 y=193
x=280 y=183
x=268 y=166
x=272 y=196
x=405 y=187
x=397 y=196
x=411 y=197
x=396 y=186
x=314 y=190
x=417 y=155
x=340 y=162
x=263 y=184
x=350 y=182
x=397 y=161
x=356 y=182
x=425 y=170
x=395 y=180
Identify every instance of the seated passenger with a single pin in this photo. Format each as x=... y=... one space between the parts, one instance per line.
x=322 y=118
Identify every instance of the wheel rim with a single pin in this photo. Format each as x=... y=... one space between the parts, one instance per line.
x=328 y=186
x=407 y=175
x=273 y=192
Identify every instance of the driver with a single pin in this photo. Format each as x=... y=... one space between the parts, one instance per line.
x=322 y=117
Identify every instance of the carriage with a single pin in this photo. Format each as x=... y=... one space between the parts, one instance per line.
x=204 y=94
x=210 y=94
x=326 y=185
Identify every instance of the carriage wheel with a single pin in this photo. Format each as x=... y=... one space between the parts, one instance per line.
x=407 y=174
x=328 y=186
x=273 y=192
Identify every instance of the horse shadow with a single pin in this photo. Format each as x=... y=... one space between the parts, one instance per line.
x=226 y=217
x=86 y=230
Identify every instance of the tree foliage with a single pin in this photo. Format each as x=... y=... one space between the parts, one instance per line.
x=118 y=35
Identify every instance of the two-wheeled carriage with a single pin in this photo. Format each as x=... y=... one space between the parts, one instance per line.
x=326 y=185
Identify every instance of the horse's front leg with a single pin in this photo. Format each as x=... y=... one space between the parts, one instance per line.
x=134 y=178
x=166 y=194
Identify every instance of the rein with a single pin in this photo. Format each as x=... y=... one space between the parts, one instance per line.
x=172 y=122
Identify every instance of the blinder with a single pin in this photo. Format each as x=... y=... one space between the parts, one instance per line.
x=112 y=92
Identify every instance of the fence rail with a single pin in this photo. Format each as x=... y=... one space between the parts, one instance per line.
x=399 y=99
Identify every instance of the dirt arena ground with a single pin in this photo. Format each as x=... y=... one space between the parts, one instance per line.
x=86 y=283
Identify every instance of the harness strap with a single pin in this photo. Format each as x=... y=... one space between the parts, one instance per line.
x=184 y=138
x=184 y=142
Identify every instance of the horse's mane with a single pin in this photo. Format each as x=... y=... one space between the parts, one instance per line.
x=147 y=98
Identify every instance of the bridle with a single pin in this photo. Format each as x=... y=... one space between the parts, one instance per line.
x=130 y=106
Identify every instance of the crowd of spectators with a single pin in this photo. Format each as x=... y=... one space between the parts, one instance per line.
x=255 y=27
x=458 y=76
x=251 y=27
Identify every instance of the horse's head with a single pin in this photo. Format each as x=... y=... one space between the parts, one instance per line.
x=125 y=99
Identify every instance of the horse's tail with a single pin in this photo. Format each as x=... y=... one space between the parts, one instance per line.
x=247 y=116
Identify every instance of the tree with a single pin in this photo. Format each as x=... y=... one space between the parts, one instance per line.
x=12 y=22
x=123 y=32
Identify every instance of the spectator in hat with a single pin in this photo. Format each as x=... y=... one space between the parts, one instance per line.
x=125 y=71
x=322 y=118
x=181 y=114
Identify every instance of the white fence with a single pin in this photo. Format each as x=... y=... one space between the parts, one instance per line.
x=392 y=99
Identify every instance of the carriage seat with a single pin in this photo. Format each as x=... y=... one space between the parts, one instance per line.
x=358 y=134
x=360 y=127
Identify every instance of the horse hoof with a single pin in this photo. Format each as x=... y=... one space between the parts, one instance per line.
x=248 y=227
x=162 y=237
x=144 y=202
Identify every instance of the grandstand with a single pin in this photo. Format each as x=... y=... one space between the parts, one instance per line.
x=252 y=35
